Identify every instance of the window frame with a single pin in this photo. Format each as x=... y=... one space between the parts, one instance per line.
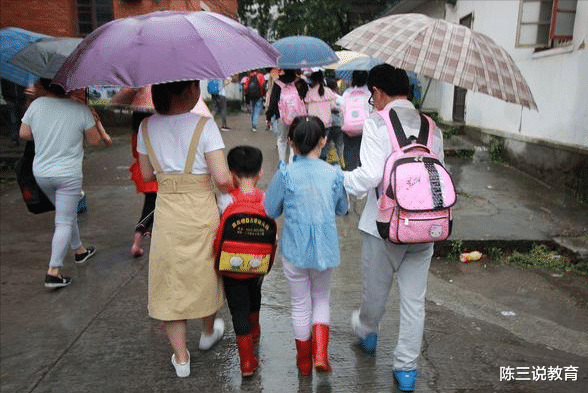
x=554 y=14
x=93 y=12
x=553 y=40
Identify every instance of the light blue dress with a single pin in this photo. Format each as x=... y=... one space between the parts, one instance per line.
x=310 y=193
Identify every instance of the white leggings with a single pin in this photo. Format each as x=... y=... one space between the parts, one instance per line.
x=65 y=193
x=281 y=132
x=309 y=293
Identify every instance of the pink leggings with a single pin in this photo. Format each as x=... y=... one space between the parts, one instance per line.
x=309 y=293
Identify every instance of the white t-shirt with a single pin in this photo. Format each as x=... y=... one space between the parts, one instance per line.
x=170 y=137
x=58 y=126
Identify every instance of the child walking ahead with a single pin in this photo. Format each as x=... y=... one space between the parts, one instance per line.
x=310 y=193
x=243 y=290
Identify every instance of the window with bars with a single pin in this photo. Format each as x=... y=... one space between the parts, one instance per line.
x=546 y=23
x=92 y=14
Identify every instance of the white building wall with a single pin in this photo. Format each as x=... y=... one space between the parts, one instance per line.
x=558 y=79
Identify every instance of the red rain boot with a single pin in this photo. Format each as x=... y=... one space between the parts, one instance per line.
x=255 y=329
x=320 y=347
x=248 y=359
x=304 y=356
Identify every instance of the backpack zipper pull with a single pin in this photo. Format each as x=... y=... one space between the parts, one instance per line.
x=406 y=223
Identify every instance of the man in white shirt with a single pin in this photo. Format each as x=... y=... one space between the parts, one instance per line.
x=381 y=259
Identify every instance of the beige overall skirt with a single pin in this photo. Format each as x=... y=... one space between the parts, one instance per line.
x=182 y=282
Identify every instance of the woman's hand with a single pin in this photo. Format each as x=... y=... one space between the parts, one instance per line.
x=217 y=164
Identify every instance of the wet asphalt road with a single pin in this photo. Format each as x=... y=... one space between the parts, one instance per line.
x=95 y=336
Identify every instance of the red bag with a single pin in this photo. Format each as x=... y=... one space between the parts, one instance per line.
x=245 y=244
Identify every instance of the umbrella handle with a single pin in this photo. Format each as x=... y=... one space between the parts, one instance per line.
x=426 y=91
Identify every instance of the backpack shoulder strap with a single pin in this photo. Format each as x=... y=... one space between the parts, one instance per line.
x=424 y=137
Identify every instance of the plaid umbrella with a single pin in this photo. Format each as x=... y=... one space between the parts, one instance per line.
x=444 y=51
x=12 y=40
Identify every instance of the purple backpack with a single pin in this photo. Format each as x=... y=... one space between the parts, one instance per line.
x=417 y=192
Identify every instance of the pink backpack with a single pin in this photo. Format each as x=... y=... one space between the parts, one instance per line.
x=290 y=104
x=356 y=110
x=417 y=193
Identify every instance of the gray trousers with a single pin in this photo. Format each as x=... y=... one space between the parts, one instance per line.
x=65 y=193
x=381 y=260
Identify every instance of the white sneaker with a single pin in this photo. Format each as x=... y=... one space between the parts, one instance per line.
x=206 y=341
x=182 y=369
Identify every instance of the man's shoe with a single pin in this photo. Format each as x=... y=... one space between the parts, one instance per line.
x=254 y=129
x=206 y=341
x=370 y=342
x=56 y=282
x=405 y=380
x=225 y=129
x=81 y=258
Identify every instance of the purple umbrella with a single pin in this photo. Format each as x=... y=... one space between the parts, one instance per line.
x=164 y=46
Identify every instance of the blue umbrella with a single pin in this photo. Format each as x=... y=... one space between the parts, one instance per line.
x=12 y=40
x=359 y=64
x=303 y=51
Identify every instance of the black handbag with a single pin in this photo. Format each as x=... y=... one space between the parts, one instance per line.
x=36 y=201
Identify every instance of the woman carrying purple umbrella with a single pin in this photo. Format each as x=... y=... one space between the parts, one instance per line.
x=183 y=150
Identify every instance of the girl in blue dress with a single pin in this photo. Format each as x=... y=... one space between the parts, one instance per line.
x=310 y=193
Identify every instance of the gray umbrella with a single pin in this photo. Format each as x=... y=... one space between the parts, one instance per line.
x=44 y=57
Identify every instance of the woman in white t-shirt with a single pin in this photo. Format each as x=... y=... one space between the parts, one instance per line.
x=183 y=150
x=59 y=126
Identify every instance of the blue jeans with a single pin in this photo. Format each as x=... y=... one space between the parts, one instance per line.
x=256 y=107
x=65 y=193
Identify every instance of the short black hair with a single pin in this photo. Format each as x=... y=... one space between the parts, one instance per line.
x=245 y=161
x=306 y=132
x=161 y=94
x=391 y=80
x=359 y=78
x=54 y=89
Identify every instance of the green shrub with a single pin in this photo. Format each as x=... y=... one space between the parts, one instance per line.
x=455 y=248
x=540 y=257
x=496 y=149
